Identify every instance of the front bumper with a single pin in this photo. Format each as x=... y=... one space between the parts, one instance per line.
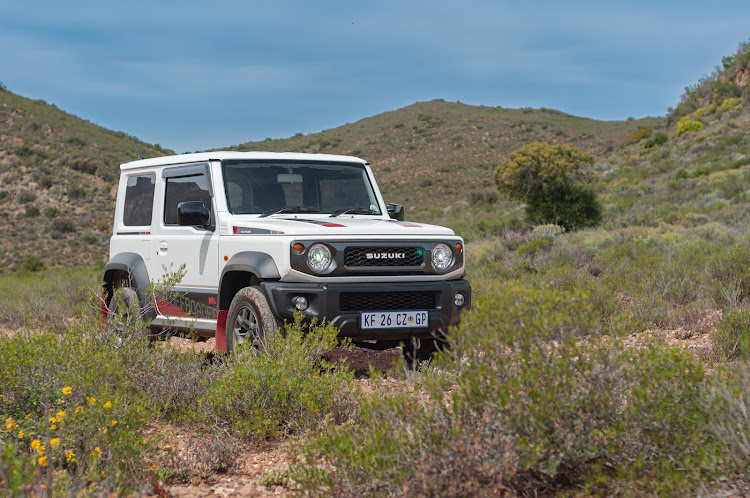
x=334 y=302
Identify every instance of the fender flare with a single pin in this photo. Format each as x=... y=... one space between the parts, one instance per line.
x=132 y=264
x=256 y=263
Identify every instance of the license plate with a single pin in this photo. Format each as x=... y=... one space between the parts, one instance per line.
x=394 y=320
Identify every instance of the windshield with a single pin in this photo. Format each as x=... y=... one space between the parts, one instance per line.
x=280 y=187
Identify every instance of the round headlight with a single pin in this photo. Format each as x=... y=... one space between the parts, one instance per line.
x=319 y=258
x=442 y=257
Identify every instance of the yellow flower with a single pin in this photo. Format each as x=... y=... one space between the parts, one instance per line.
x=53 y=420
x=66 y=390
x=42 y=461
x=28 y=416
x=20 y=434
x=10 y=424
x=54 y=441
x=108 y=404
x=154 y=468
x=79 y=409
x=35 y=444
x=97 y=452
x=52 y=427
x=91 y=400
x=70 y=456
x=113 y=423
x=60 y=416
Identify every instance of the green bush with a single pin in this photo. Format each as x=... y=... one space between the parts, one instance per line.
x=732 y=336
x=31 y=212
x=61 y=406
x=726 y=90
x=32 y=264
x=551 y=181
x=571 y=207
x=729 y=269
x=62 y=225
x=289 y=389
x=730 y=424
x=688 y=126
x=535 y=404
x=26 y=196
x=639 y=134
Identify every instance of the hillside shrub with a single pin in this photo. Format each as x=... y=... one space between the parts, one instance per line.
x=732 y=336
x=639 y=134
x=730 y=424
x=659 y=139
x=572 y=207
x=688 y=126
x=26 y=196
x=726 y=90
x=536 y=405
x=31 y=212
x=32 y=263
x=729 y=270
x=552 y=181
x=62 y=225
x=729 y=104
x=51 y=212
x=289 y=389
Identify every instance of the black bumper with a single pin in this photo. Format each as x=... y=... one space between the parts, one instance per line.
x=342 y=304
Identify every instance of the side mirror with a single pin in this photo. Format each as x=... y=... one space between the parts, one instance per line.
x=396 y=211
x=193 y=214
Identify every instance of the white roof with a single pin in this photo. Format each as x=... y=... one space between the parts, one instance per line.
x=208 y=156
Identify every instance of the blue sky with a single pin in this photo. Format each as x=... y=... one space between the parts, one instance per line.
x=196 y=75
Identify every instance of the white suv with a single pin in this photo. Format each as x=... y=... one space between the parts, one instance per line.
x=262 y=235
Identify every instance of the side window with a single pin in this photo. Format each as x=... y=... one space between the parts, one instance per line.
x=183 y=189
x=139 y=200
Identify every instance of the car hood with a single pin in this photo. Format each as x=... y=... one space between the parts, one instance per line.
x=300 y=225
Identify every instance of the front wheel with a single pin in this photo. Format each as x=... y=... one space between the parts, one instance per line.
x=250 y=320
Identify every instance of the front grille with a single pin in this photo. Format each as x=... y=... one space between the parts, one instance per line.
x=387 y=301
x=383 y=256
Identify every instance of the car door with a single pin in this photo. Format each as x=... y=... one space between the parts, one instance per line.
x=197 y=248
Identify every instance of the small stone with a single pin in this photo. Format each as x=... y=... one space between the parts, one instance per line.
x=246 y=490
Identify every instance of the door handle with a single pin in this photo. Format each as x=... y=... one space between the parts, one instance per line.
x=163 y=246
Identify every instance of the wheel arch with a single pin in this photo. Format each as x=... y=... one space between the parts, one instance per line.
x=130 y=265
x=245 y=269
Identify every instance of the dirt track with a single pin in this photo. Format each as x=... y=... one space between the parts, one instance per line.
x=256 y=460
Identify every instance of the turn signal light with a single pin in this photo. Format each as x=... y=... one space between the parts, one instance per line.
x=298 y=248
x=459 y=247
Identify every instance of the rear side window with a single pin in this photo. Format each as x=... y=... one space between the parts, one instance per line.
x=139 y=200
x=183 y=189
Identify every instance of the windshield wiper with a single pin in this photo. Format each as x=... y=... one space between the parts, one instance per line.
x=352 y=211
x=289 y=209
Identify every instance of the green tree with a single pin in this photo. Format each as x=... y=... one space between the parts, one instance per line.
x=553 y=181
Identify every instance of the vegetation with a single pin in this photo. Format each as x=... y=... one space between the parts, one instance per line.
x=585 y=354
x=551 y=180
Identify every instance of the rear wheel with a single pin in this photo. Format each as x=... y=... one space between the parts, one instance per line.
x=250 y=320
x=124 y=317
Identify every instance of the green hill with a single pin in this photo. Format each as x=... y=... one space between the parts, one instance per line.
x=440 y=152
x=58 y=177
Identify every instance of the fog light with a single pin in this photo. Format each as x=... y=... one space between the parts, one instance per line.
x=300 y=303
x=459 y=300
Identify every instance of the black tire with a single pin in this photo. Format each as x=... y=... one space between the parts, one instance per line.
x=124 y=314
x=250 y=320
